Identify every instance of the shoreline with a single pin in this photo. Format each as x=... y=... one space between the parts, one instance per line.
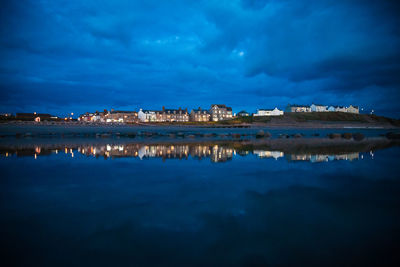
x=255 y=125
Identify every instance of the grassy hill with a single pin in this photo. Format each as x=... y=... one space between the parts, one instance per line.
x=316 y=117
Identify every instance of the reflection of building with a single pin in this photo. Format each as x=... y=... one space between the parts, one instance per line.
x=220 y=112
x=221 y=154
x=323 y=157
x=216 y=153
x=268 y=154
x=179 y=151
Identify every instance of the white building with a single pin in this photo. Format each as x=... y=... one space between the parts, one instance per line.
x=268 y=112
x=147 y=115
x=353 y=109
x=340 y=109
x=318 y=108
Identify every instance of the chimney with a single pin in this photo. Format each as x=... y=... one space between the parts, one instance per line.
x=163 y=108
x=180 y=108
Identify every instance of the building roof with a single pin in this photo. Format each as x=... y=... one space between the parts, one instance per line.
x=121 y=111
x=148 y=110
x=222 y=106
x=318 y=105
x=267 y=109
x=201 y=110
x=243 y=111
x=298 y=106
x=176 y=110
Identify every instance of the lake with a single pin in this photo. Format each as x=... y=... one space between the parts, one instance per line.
x=156 y=202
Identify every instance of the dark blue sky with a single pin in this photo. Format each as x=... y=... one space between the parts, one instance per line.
x=76 y=56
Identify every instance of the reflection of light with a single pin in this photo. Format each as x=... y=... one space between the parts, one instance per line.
x=70 y=150
x=6 y=154
x=35 y=156
x=72 y=154
x=66 y=151
x=56 y=151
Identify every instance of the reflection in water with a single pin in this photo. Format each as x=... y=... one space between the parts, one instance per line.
x=259 y=208
x=215 y=152
x=322 y=157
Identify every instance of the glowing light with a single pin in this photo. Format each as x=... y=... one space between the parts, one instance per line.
x=35 y=156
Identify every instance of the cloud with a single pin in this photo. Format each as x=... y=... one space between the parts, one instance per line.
x=188 y=51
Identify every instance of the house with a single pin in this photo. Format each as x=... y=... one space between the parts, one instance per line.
x=172 y=115
x=331 y=109
x=220 y=112
x=318 y=108
x=147 y=115
x=297 y=108
x=243 y=113
x=164 y=115
x=353 y=109
x=33 y=116
x=199 y=115
x=268 y=112
x=121 y=116
x=340 y=109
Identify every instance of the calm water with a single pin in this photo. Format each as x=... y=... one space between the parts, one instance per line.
x=175 y=204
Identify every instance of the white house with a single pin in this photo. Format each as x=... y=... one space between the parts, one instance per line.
x=147 y=115
x=353 y=109
x=340 y=109
x=331 y=109
x=318 y=108
x=268 y=112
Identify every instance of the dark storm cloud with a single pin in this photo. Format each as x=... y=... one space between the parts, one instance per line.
x=58 y=55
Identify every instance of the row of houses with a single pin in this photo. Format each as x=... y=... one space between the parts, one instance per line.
x=302 y=108
x=322 y=108
x=217 y=112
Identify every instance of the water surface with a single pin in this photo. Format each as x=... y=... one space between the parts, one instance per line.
x=195 y=203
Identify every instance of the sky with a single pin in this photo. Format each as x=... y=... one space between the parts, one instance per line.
x=76 y=56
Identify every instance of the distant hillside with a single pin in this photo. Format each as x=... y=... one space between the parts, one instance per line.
x=317 y=116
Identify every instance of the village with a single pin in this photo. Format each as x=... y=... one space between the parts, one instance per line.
x=217 y=112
